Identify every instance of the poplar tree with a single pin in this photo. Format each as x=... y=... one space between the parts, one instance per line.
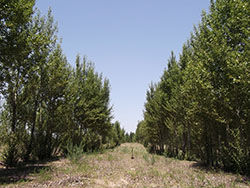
x=15 y=19
x=205 y=96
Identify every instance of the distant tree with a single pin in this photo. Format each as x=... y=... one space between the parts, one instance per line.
x=141 y=134
x=132 y=137
x=118 y=133
x=88 y=110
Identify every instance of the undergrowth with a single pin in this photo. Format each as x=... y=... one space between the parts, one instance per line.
x=74 y=152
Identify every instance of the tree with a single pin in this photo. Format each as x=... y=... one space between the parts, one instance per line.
x=45 y=52
x=15 y=19
x=220 y=46
x=202 y=101
x=89 y=114
x=141 y=134
x=47 y=102
x=119 y=134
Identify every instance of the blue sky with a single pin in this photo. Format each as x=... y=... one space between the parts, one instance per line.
x=128 y=40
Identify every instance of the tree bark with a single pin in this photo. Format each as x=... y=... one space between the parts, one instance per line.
x=32 y=131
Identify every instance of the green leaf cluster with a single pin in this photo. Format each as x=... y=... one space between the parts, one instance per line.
x=48 y=104
x=200 y=107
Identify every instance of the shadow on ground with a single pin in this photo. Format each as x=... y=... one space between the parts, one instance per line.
x=201 y=166
x=22 y=172
x=19 y=174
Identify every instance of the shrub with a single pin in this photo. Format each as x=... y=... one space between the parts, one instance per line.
x=74 y=152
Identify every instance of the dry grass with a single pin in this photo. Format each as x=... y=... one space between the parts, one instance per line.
x=115 y=168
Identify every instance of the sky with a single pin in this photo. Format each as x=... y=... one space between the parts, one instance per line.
x=129 y=41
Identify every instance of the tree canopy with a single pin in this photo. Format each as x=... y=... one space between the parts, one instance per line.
x=200 y=107
x=48 y=104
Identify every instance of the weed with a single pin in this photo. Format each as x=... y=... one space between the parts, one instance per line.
x=75 y=152
x=44 y=174
x=146 y=157
x=201 y=177
x=83 y=168
x=172 y=176
x=110 y=157
x=113 y=168
x=99 y=158
x=134 y=173
x=66 y=170
x=155 y=173
x=125 y=149
x=152 y=162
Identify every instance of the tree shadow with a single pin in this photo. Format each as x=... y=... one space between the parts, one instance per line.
x=203 y=167
x=21 y=173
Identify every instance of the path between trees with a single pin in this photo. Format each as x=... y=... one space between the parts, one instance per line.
x=115 y=168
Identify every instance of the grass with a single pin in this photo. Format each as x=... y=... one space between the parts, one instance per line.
x=43 y=174
x=150 y=159
x=115 y=168
x=125 y=149
x=75 y=153
x=146 y=157
x=110 y=157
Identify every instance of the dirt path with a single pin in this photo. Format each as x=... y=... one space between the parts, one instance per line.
x=115 y=168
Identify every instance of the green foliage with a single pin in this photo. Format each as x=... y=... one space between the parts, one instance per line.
x=14 y=51
x=74 y=152
x=200 y=108
x=141 y=134
x=119 y=134
x=10 y=155
x=150 y=159
x=131 y=137
x=43 y=174
x=87 y=110
x=47 y=102
x=153 y=160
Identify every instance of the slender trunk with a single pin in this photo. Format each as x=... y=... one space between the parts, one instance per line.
x=32 y=130
x=184 y=141
x=14 y=101
x=211 y=150
x=13 y=108
x=49 y=130
x=188 y=141
x=207 y=146
x=14 y=119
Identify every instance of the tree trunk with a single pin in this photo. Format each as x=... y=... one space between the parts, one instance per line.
x=32 y=131
x=13 y=106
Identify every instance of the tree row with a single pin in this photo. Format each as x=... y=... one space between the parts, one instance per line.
x=199 y=110
x=46 y=104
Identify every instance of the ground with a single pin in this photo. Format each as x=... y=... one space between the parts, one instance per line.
x=116 y=168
